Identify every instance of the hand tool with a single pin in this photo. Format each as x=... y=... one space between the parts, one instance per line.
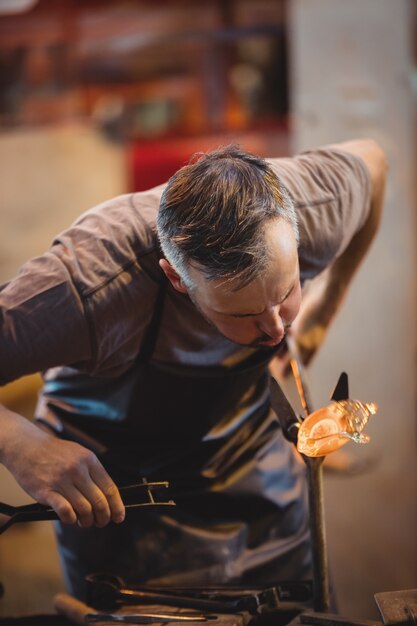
x=81 y=613
x=145 y=618
x=290 y=424
x=135 y=497
x=105 y=591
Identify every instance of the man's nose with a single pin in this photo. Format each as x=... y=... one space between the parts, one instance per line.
x=271 y=324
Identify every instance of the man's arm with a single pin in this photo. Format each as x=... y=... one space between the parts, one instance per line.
x=322 y=301
x=61 y=474
x=42 y=322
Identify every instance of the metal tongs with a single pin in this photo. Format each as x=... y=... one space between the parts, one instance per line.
x=135 y=497
x=290 y=423
x=106 y=591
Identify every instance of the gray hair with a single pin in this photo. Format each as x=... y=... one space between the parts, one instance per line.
x=214 y=212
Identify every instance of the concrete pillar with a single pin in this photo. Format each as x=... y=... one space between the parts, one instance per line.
x=352 y=77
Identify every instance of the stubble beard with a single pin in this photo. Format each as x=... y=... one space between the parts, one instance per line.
x=256 y=343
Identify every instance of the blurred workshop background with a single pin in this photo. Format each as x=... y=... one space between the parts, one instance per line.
x=100 y=97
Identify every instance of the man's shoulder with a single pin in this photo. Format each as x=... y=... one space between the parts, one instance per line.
x=320 y=174
x=331 y=190
x=127 y=217
x=111 y=237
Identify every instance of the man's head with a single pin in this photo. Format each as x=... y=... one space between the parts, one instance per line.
x=229 y=234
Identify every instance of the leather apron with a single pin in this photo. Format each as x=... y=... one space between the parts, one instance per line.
x=241 y=503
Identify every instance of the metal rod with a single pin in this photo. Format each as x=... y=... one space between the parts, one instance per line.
x=321 y=596
x=299 y=376
x=300 y=388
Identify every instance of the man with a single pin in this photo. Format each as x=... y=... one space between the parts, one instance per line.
x=165 y=322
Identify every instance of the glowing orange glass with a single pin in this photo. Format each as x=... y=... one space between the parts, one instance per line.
x=331 y=427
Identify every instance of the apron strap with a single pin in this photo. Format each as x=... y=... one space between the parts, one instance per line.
x=151 y=335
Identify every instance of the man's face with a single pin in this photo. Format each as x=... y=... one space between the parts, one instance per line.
x=260 y=313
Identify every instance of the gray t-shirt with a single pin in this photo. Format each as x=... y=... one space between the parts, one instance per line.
x=87 y=302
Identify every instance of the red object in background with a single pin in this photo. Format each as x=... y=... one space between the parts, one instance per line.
x=153 y=163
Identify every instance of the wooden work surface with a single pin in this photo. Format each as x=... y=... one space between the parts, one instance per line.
x=61 y=620
x=74 y=614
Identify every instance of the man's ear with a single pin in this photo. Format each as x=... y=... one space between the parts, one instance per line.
x=172 y=276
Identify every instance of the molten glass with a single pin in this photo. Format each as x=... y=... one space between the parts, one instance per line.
x=331 y=427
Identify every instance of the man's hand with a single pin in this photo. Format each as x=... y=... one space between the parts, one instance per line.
x=61 y=474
